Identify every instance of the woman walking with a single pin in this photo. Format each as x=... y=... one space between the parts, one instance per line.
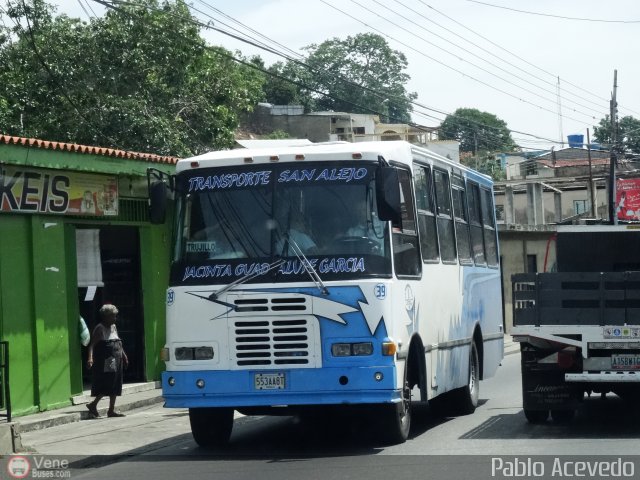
x=106 y=371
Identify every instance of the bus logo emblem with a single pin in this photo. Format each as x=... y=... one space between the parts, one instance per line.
x=409 y=298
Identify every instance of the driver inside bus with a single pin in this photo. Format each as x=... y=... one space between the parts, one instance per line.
x=366 y=226
x=298 y=233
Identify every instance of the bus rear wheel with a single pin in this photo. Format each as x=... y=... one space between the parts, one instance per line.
x=211 y=427
x=466 y=398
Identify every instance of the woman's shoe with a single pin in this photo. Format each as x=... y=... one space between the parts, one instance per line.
x=93 y=411
x=115 y=414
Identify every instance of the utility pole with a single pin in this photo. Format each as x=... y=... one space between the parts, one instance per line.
x=613 y=105
x=592 y=193
x=560 y=114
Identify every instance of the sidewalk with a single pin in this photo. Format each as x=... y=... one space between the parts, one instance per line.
x=134 y=396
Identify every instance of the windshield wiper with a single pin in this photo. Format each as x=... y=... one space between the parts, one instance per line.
x=307 y=265
x=214 y=296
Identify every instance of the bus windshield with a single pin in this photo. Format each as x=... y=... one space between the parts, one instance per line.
x=243 y=217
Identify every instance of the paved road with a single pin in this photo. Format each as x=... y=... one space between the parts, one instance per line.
x=157 y=443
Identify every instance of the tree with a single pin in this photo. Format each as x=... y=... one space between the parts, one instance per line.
x=139 y=78
x=477 y=131
x=360 y=74
x=285 y=85
x=628 y=133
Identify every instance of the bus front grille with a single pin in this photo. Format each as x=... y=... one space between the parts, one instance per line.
x=273 y=342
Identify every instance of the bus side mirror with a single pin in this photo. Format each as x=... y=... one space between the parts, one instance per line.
x=388 y=194
x=159 y=184
x=157 y=202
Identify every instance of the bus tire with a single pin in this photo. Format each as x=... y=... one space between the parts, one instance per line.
x=211 y=427
x=396 y=418
x=466 y=398
x=536 y=416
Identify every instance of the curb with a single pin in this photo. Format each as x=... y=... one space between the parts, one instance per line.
x=30 y=425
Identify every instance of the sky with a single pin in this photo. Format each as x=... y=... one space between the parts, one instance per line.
x=466 y=53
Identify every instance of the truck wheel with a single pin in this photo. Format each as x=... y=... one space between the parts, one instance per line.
x=466 y=398
x=536 y=416
x=396 y=418
x=562 y=416
x=211 y=427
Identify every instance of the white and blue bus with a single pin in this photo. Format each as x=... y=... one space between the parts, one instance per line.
x=361 y=274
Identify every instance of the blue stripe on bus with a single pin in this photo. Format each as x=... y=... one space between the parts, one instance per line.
x=302 y=387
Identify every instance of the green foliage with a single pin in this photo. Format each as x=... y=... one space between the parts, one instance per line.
x=628 y=133
x=276 y=135
x=139 y=78
x=477 y=131
x=485 y=162
x=280 y=91
x=360 y=74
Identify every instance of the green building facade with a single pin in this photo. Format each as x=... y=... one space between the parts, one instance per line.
x=74 y=234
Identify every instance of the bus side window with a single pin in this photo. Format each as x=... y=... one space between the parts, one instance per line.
x=446 y=235
x=426 y=215
x=475 y=220
x=489 y=228
x=405 y=238
x=462 y=220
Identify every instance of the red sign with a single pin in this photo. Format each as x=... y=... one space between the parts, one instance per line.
x=628 y=199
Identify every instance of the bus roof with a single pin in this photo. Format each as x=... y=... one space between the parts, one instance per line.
x=396 y=150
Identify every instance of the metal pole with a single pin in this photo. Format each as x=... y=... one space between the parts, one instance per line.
x=592 y=193
x=612 y=160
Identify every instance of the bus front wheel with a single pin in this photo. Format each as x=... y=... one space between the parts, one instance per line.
x=397 y=417
x=211 y=427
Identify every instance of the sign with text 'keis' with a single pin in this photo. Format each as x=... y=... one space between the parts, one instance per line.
x=30 y=190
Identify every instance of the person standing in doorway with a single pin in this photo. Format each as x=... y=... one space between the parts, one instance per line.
x=106 y=360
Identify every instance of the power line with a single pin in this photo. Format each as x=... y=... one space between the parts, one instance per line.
x=446 y=65
x=366 y=88
x=251 y=65
x=553 y=16
x=220 y=12
x=302 y=85
x=528 y=73
x=40 y=59
x=380 y=94
x=475 y=65
x=519 y=57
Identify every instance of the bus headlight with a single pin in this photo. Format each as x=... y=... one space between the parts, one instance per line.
x=203 y=353
x=184 y=353
x=365 y=348
x=352 y=349
x=341 y=349
x=194 y=353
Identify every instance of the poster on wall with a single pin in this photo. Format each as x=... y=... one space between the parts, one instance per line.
x=628 y=199
x=30 y=190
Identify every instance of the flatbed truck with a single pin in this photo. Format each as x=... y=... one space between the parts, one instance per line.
x=579 y=326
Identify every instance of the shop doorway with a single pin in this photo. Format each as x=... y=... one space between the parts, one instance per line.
x=118 y=281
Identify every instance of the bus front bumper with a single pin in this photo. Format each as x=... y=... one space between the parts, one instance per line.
x=238 y=388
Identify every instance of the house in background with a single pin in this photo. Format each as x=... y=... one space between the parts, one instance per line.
x=557 y=187
x=341 y=126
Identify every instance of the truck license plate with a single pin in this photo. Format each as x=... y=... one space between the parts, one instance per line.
x=625 y=362
x=269 y=381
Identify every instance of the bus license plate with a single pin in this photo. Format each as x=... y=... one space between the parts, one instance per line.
x=625 y=362
x=269 y=381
